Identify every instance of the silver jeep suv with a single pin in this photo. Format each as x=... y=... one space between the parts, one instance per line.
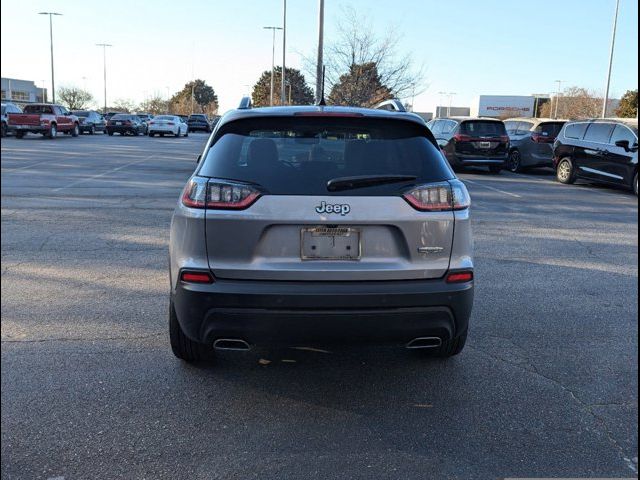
x=311 y=225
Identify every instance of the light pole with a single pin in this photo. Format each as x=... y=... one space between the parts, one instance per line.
x=53 y=88
x=559 y=82
x=441 y=102
x=451 y=94
x=613 y=43
x=44 y=96
x=284 y=50
x=273 y=57
x=104 y=70
x=319 y=62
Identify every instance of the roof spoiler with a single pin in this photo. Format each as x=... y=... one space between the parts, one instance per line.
x=393 y=105
x=245 y=103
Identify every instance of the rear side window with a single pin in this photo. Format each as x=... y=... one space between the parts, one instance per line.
x=40 y=109
x=298 y=156
x=550 y=129
x=482 y=128
x=622 y=132
x=511 y=127
x=575 y=130
x=599 y=132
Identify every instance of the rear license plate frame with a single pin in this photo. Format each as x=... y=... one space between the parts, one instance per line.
x=350 y=237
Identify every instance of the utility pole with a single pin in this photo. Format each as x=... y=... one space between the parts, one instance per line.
x=104 y=71
x=442 y=94
x=451 y=94
x=320 y=51
x=559 y=82
x=193 y=85
x=53 y=87
x=44 y=94
x=613 y=43
x=273 y=57
x=283 y=92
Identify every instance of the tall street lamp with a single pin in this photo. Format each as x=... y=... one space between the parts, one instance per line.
x=319 y=60
x=613 y=43
x=104 y=70
x=284 y=50
x=53 y=88
x=273 y=56
x=559 y=82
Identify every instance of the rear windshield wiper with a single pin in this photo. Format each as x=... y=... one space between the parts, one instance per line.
x=349 y=183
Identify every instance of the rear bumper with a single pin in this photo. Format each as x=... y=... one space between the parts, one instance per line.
x=481 y=161
x=267 y=312
x=28 y=128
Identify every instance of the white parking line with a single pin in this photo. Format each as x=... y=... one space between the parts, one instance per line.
x=72 y=184
x=11 y=170
x=492 y=188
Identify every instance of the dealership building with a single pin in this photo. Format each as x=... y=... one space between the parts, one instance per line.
x=22 y=92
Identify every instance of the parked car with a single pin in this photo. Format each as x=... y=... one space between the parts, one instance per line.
x=531 y=142
x=44 y=118
x=168 y=124
x=90 y=121
x=198 y=122
x=338 y=226
x=108 y=115
x=145 y=117
x=602 y=150
x=185 y=118
x=472 y=141
x=124 y=123
x=6 y=109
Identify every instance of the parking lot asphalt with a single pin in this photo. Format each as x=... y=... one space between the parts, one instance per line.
x=547 y=386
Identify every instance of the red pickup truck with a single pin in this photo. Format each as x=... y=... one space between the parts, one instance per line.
x=43 y=118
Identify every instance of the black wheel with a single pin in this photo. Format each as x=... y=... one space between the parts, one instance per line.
x=162 y=134
x=181 y=345
x=186 y=134
x=110 y=133
x=635 y=184
x=449 y=348
x=151 y=134
x=76 y=130
x=495 y=169
x=565 y=173
x=92 y=130
x=4 y=129
x=19 y=134
x=53 y=131
x=515 y=162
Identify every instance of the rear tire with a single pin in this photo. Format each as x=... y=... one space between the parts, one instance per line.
x=515 y=162
x=635 y=184
x=151 y=134
x=110 y=133
x=182 y=346
x=53 y=131
x=76 y=130
x=4 y=129
x=495 y=170
x=565 y=173
x=449 y=348
x=19 y=134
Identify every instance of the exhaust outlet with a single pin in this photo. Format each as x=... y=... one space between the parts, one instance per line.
x=425 y=342
x=231 y=344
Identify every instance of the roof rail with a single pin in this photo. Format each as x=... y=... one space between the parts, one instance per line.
x=394 y=105
x=245 y=103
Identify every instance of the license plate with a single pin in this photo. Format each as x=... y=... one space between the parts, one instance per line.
x=118 y=123
x=330 y=243
x=484 y=144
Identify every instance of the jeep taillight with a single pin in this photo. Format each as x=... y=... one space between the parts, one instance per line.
x=218 y=194
x=439 y=197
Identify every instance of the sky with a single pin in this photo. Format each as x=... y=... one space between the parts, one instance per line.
x=470 y=47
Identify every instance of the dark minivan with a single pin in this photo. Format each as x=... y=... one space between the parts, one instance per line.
x=470 y=141
x=531 y=142
x=601 y=150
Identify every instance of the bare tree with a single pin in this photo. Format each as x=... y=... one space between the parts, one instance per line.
x=74 y=98
x=574 y=103
x=357 y=48
x=154 y=105
x=124 y=105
